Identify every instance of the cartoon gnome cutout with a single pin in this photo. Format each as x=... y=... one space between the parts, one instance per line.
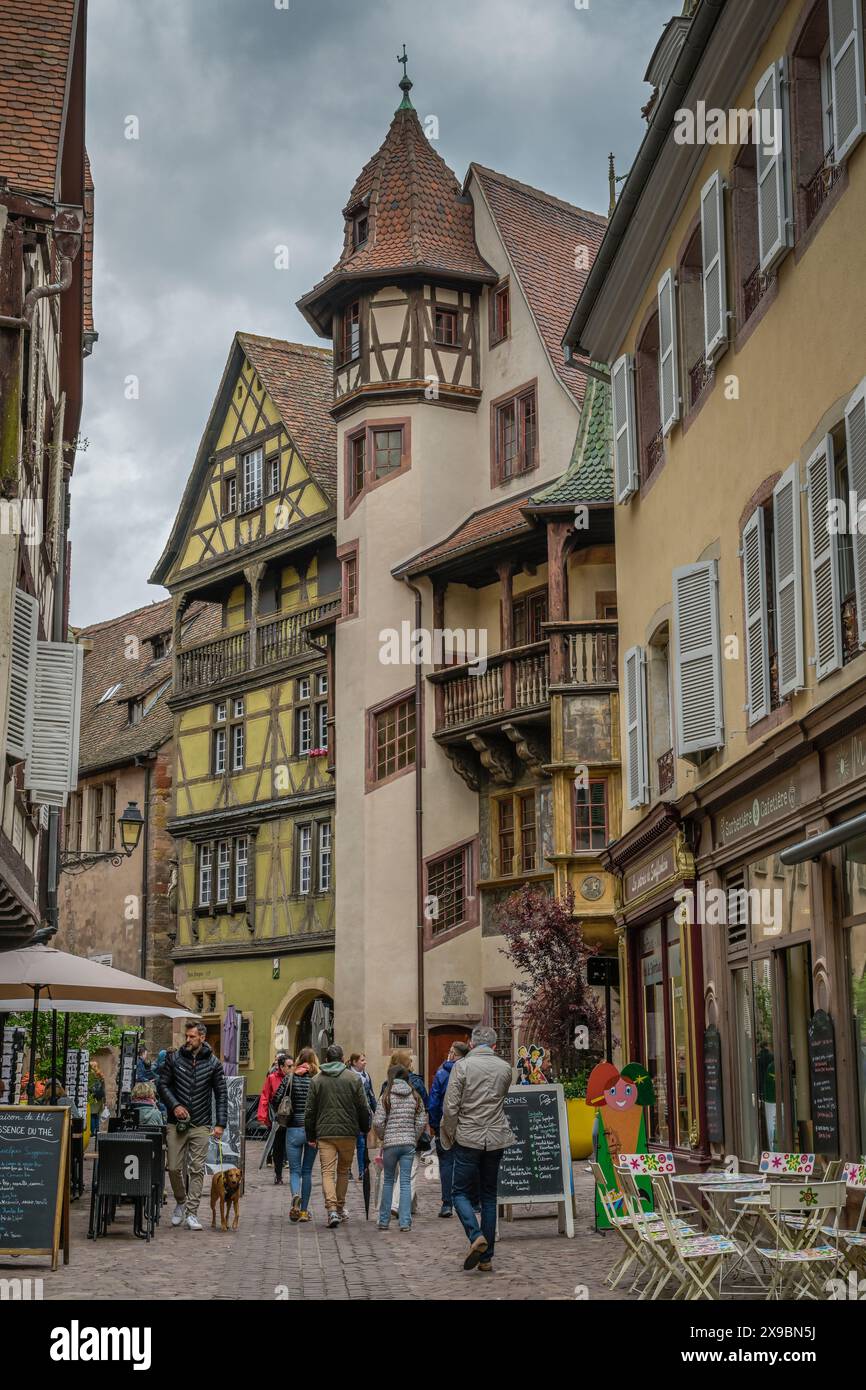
x=620 y=1097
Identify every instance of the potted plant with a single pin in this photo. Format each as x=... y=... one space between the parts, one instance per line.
x=581 y=1116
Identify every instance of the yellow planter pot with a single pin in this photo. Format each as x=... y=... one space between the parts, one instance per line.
x=580 y=1122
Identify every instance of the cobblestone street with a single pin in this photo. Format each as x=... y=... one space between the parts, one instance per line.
x=270 y=1257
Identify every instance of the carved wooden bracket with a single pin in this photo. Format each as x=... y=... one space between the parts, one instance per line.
x=529 y=750
x=494 y=758
x=464 y=765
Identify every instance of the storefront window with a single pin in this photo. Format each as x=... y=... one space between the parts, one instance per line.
x=653 y=1025
x=745 y=1064
x=855 y=877
x=769 y=1118
x=798 y=1011
x=857 y=975
x=679 y=1026
x=779 y=902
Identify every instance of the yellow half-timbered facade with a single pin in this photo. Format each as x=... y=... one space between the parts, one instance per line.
x=253 y=804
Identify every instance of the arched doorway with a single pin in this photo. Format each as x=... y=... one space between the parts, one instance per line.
x=439 y=1040
x=316 y=1025
x=292 y=1023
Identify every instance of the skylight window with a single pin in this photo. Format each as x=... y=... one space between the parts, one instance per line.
x=110 y=693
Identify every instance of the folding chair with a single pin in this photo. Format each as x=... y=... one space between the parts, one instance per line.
x=698 y=1258
x=660 y=1168
x=622 y=1224
x=802 y=1269
x=787 y=1165
x=654 y=1237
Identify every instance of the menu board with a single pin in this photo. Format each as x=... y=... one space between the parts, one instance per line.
x=77 y=1076
x=822 y=1084
x=34 y=1148
x=12 y=1065
x=713 y=1085
x=536 y=1168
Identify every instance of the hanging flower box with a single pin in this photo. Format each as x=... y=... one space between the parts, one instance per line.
x=318 y=753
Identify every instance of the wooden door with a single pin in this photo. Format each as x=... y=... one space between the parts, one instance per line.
x=439 y=1042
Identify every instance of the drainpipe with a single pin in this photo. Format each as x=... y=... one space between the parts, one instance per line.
x=40 y=292
x=419 y=841
x=145 y=851
x=57 y=635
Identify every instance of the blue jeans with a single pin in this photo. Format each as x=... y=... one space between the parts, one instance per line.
x=446 y=1171
x=393 y=1156
x=361 y=1150
x=476 y=1174
x=302 y=1158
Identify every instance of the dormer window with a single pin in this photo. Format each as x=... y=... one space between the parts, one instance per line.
x=160 y=645
x=350 y=339
x=360 y=229
x=500 y=313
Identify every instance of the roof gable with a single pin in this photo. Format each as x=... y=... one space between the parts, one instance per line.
x=35 y=59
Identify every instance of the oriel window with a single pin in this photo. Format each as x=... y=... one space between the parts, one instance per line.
x=350 y=342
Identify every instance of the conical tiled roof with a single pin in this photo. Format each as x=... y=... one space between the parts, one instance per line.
x=419 y=218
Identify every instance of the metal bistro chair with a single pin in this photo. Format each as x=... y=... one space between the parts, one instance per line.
x=661 y=1169
x=123 y=1170
x=803 y=1270
x=697 y=1257
x=787 y=1165
x=655 y=1236
x=624 y=1222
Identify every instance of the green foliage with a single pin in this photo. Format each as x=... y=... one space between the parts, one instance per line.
x=93 y=1031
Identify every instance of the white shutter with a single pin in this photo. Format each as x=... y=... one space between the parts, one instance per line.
x=51 y=771
x=636 y=726
x=855 y=440
x=625 y=453
x=755 y=592
x=771 y=162
x=789 y=581
x=697 y=658
x=669 y=386
x=22 y=671
x=824 y=562
x=714 y=277
x=846 y=61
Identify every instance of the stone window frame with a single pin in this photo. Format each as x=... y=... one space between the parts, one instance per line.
x=470 y=848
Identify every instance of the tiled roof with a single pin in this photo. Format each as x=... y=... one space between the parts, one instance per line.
x=505 y=519
x=419 y=218
x=107 y=737
x=87 y=249
x=35 y=37
x=543 y=237
x=300 y=382
x=589 y=476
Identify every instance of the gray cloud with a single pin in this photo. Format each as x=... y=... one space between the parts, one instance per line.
x=253 y=124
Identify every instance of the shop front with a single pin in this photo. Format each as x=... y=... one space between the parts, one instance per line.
x=660 y=964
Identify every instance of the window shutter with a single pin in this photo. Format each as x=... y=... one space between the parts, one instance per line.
x=669 y=387
x=824 y=560
x=636 y=726
x=770 y=159
x=51 y=771
x=22 y=668
x=713 y=249
x=789 y=581
x=622 y=395
x=846 y=61
x=697 y=658
x=855 y=439
x=755 y=591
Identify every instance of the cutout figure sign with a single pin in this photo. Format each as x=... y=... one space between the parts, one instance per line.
x=620 y=1097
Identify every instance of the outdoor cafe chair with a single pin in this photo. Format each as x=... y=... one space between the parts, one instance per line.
x=698 y=1257
x=115 y=1178
x=654 y=1236
x=660 y=1168
x=623 y=1225
x=802 y=1269
x=787 y=1165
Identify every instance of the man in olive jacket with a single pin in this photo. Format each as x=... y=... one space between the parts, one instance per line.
x=475 y=1125
x=335 y=1114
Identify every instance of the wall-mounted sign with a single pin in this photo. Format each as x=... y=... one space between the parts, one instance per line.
x=772 y=803
x=650 y=874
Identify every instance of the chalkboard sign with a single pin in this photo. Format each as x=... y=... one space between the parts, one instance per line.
x=34 y=1152
x=537 y=1168
x=713 y=1085
x=822 y=1084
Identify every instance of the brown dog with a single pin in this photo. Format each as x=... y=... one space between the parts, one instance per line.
x=225 y=1188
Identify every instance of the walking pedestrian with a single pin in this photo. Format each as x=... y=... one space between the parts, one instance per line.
x=275 y=1087
x=300 y=1153
x=399 y=1121
x=404 y=1057
x=336 y=1113
x=474 y=1125
x=97 y=1097
x=437 y=1101
x=358 y=1063
x=190 y=1083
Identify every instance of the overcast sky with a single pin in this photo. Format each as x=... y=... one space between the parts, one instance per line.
x=254 y=118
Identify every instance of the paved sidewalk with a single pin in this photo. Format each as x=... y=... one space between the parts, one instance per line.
x=269 y=1257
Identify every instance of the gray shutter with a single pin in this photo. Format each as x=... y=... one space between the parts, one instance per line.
x=636 y=726
x=625 y=446
x=755 y=592
x=855 y=440
x=714 y=275
x=22 y=670
x=772 y=192
x=669 y=386
x=846 y=62
x=697 y=658
x=789 y=581
x=51 y=771
x=824 y=562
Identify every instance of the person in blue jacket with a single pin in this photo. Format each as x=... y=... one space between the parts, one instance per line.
x=434 y=1115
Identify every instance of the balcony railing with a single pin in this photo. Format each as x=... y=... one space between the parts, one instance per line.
x=591 y=653
x=276 y=639
x=653 y=453
x=754 y=289
x=819 y=187
x=665 y=765
x=699 y=374
x=514 y=680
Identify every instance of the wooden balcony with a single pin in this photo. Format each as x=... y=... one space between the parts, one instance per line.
x=274 y=640
x=584 y=655
x=513 y=681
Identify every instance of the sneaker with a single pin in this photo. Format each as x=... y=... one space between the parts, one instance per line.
x=304 y=1216
x=295 y=1210
x=406 y=1228
x=382 y=1226
x=485 y=1266
x=446 y=1209
x=476 y=1252
x=178 y=1214
x=278 y=1182
x=193 y=1223
x=343 y=1214
x=333 y=1220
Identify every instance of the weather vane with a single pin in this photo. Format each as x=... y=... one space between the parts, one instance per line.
x=403 y=58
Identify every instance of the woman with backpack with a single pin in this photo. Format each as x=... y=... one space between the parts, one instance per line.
x=300 y=1153
x=273 y=1091
x=400 y=1120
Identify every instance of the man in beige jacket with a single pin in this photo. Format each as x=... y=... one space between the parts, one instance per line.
x=475 y=1126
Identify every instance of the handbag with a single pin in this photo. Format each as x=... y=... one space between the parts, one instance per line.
x=424 y=1144
x=283 y=1114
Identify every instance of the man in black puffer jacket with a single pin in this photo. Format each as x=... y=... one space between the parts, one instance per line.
x=190 y=1080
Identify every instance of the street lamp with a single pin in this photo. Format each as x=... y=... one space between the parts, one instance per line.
x=131 y=825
